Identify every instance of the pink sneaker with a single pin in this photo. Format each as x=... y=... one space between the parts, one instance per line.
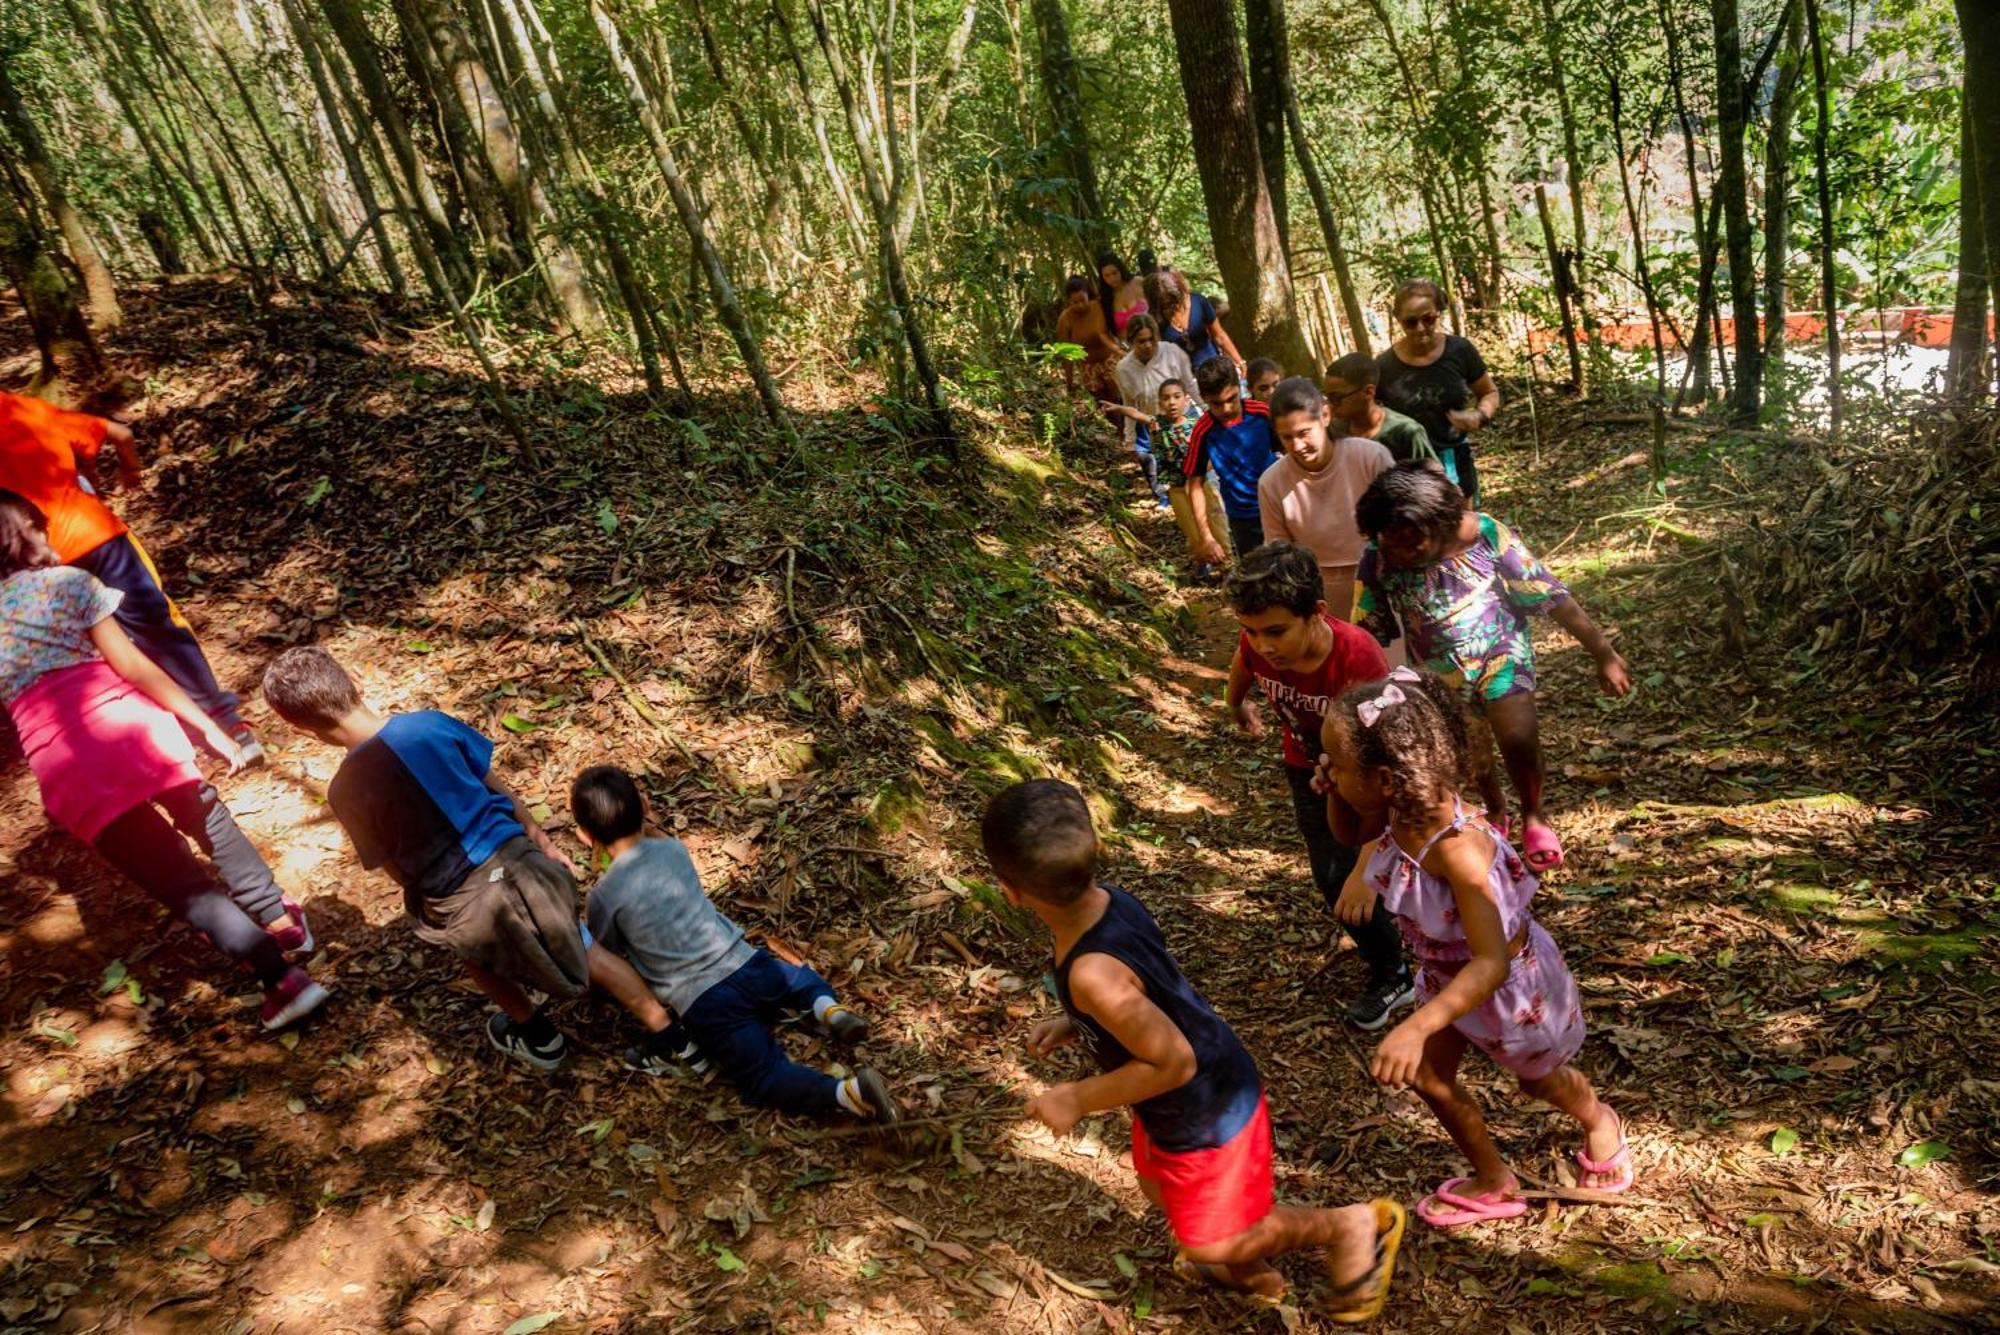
x=295 y=997
x=298 y=938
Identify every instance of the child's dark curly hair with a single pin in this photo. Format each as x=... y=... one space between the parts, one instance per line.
x=1415 y=493
x=1421 y=736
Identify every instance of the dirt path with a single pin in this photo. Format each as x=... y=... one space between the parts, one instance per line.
x=1779 y=908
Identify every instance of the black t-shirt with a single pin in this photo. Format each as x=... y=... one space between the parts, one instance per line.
x=1427 y=393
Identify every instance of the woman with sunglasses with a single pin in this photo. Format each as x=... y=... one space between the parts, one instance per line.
x=1439 y=379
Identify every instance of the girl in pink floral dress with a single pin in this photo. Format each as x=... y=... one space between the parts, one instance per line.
x=1488 y=975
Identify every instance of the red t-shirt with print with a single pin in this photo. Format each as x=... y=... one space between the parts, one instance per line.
x=1301 y=699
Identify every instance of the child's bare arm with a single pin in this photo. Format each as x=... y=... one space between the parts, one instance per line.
x=1237 y=696
x=1162 y=1058
x=1612 y=673
x=1463 y=861
x=623 y=984
x=125 y=659
x=536 y=834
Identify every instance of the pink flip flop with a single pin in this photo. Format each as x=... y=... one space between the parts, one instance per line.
x=1466 y=1209
x=1541 y=849
x=1621 y=1160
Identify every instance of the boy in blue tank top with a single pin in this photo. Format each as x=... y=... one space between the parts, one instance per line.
x=1201 y=1135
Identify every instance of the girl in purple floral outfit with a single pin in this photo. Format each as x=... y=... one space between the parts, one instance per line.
x=1488 y=975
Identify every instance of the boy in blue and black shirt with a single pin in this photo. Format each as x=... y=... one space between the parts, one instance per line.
x=418 y=797
x=1234 y=438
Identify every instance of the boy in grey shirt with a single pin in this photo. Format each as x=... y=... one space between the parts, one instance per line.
x=648 y=912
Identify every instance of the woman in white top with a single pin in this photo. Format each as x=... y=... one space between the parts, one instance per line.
x=1145 y=368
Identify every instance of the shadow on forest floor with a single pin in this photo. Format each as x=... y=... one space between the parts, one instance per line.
x=1777 y=903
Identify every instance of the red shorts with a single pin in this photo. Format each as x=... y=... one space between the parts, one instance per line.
x=1211 y=1194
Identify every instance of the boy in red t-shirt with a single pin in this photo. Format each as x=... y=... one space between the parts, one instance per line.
x=1302 y=658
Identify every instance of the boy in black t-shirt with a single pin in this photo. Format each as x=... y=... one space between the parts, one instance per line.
x=1201 y=1133
x=418 y=797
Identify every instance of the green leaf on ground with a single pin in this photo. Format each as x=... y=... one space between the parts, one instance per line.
x=1668 y=957
x=1126 y=1266
x=727 y=1260
x=607 y=518
x=1762 y=1221
x=1923 y=1152
x=528 y=1325
x=317 y=492
x=50 y=1029
x=1784 y=1140
x=1789 y=1073
x=515 y=723
x=114 y=974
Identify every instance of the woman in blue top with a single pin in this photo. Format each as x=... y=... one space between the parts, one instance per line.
x=1189 y=318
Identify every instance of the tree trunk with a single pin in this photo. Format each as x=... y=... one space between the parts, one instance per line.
x=160 y=240
x=721 y=290
x=332 y=117
x=1270 y=65
x=1248 y=248
x=1980 y=22
x=1968 y=374
x=1336 y=250
x=69 y=353
x=883 y=192
x=1777 y=196
x=557 y=115
x=351 y=31
x=1830 y=295
x=1573 y=169
x=531 y=217
x=941 y=100
x=308 y=223
x=1747 y=397
x=1704 y=227
x=1065 y=93
x=1640 y=268
x=1561 y=268
x=100 y=295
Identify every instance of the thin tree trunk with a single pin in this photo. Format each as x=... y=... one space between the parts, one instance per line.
x=1778 y=197
x=542 y=81
x=1639 y=265
x=1241 y=220
x=941 y=102
x=1329 y=224
x=100 y=294
x=1968 y=374
x=68 y=352
x=1747 y=398
x=1474 y=127
x=1704 y=228
x=330 y=111
x=1447 y=279
x=531 y=217
x=1980 y=23
x=721 y=290
x=308 y=223
x=850 y=208
x=1829 y=294
x=213 y=132
x=882 y=197
x=1270 y=62
x=1560 y=269
x=352 y=32
x=1573 y=169
x=1065 y=93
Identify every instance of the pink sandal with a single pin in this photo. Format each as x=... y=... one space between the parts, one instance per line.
x=1541 y=849
x=1620 y=1162
x=1466 y=1209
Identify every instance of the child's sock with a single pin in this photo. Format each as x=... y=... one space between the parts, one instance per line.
x=821 y=1005
x=848 y=1092
x=538 y=1029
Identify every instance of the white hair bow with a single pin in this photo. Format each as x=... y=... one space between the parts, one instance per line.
x=1370 y=711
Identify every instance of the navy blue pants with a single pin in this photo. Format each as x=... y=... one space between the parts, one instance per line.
x=157 y=626
x=731 y=1024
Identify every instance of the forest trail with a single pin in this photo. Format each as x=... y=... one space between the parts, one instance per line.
x=1779 y=899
